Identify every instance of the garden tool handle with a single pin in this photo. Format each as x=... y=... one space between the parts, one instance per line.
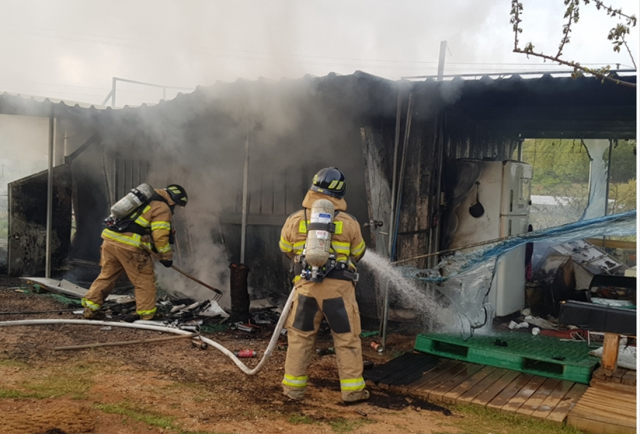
x=184 y=273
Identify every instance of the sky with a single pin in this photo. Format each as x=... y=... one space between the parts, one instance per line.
x=71 y=49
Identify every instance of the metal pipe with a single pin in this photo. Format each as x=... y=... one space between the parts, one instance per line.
x=519 y=150
x=396 y=142
x=443 y=50
x=385 y=317
x=606 y=190
x=481 y=243
x=37 y=312
x=436 y=240
x=126 y=80
x=110 y=199
x=64 y=147
x=117 y=344
x=47 y=266
x=245 y=194
x=395 y=218
x=113 y=92
x=108 y=97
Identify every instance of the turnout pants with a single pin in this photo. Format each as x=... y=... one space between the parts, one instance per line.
x=139 y=268
x=334 y=300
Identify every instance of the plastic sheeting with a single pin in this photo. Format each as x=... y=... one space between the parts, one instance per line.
x=464 y=279
x=612 y=225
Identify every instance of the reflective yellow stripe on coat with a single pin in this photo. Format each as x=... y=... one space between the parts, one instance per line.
x=134 y=240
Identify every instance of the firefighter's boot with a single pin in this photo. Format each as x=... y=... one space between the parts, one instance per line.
x=355 y=397
x=90 y=314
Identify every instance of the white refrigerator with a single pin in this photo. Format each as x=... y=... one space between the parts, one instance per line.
x=503 y=191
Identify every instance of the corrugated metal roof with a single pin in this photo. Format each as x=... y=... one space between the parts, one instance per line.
x=43 y=99
x=529 y=75
x=538 y=106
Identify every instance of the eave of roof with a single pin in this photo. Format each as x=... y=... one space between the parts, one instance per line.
x=519 y=107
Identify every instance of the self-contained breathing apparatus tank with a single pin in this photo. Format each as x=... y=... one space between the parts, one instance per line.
x=121 y=212
x=132 y=201
x=317 y=250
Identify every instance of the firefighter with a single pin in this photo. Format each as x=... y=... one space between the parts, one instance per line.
x=332 y=297
x=128 y=251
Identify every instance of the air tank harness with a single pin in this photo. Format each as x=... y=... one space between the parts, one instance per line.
x=317 y=260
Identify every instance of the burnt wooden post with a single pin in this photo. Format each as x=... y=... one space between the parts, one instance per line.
x=239 y=292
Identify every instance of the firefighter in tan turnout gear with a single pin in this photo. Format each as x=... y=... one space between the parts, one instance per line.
x=126 y=248
x=324 y=291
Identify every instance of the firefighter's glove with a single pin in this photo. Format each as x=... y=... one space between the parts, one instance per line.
x=166 y=262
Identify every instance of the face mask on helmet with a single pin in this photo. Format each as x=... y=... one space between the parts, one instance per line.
x=177 y=194
x=330 y=181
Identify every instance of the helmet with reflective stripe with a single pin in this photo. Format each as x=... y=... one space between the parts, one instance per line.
x=177 y=194
x=329 y=181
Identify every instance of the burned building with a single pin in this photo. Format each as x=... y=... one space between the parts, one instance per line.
x=246 y=152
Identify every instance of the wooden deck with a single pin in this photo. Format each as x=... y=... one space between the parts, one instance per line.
x=455 y=382
x=606 y=407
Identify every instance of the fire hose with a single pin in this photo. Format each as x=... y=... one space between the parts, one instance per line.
x=244 y=368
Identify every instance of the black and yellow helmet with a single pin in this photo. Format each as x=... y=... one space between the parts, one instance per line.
x=178 y=194
x=330 y=181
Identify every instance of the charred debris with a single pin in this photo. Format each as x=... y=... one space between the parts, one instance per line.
x=174 y=311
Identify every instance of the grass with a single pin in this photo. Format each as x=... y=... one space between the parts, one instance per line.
x=140 y=414
x=69 y=382
x=339 y=424
x=11 y=394
x=301 y=419
x=11 y=364
x=478 y=420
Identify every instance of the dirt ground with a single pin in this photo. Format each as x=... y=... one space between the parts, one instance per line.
x=173 y=387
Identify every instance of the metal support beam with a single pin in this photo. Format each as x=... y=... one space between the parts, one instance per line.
x=396 y=143
x=69 y=158
x=47 y=267
x=606 y=191
x=395 y=218
x=113 y=92
x=114 y=80
x=245 y=199
x=443 y=49
x=519 y=150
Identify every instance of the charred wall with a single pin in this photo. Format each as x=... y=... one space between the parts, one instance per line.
x=434 y=141
x=28 y=222
x=290 y=129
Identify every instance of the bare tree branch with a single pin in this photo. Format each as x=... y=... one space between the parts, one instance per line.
x=631 y=20
x=630 y=55
x=617 y=35
x=516 y=11
x=572 y=11
x=578 y=69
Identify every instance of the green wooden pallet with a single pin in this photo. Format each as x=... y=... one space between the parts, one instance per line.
x=539 y=355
